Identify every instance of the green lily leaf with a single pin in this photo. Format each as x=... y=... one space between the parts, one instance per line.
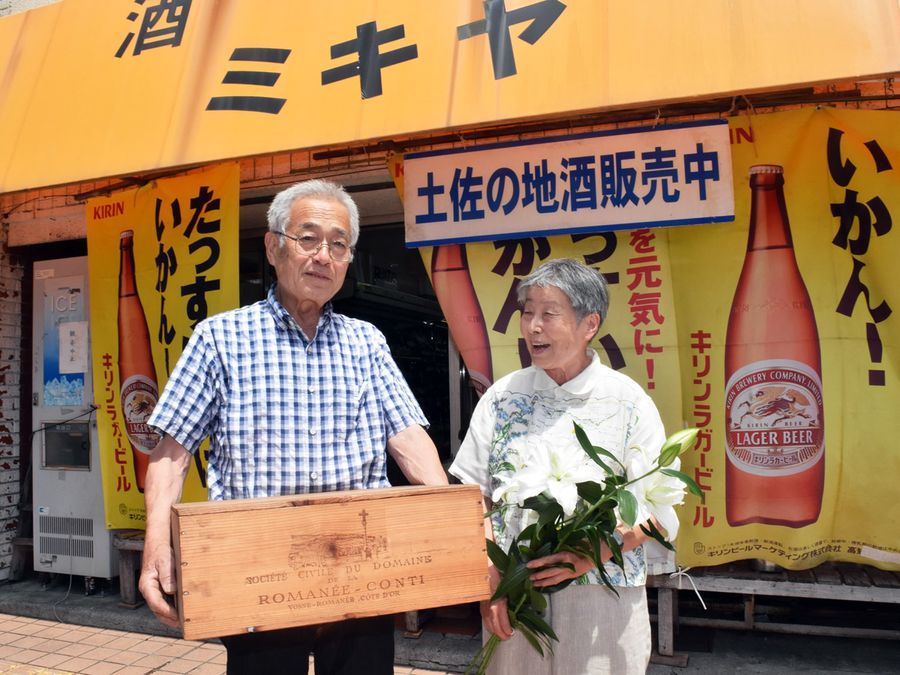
x=514 y=558
x=557 y=587
x=609 y=520
x=528 y=533
x=497 y=509
x=616 y=481
x=627 y=506
x=540 y=503
x=512 y=581
x=651 y=530
x=545 y=549
x=496 y=554
x=594 y=451
x=532 y=638
x=538 y=600
x=618 y=559
x=595 y=550
x=549 y=516
x=537 y=624
x=614 y=547
x=604 y=577
x=591 y=492
x=691 y=484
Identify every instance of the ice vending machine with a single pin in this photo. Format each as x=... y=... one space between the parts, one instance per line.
x=70 y=535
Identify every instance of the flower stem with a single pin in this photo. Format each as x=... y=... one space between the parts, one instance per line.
x=482 y=659
x=578 y=523
x=515 y=613
x=635 y=480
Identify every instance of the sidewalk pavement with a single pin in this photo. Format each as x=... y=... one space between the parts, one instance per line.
x=31 y=646
x=41 y=646
x=60 y=630
x=46 y=630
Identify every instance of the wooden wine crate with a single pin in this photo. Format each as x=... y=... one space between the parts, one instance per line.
x=261 y=564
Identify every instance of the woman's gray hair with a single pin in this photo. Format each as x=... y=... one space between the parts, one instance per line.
x=585 y=287
x=279 y=214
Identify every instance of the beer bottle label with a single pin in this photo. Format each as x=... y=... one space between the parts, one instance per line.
x=139 y=396
x=774 y=414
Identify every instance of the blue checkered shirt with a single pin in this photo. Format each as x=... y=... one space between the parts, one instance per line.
x=285 y=414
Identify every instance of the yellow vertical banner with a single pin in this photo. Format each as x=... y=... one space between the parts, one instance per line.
x=161 y=258
x=795 y=456
x=778 y=340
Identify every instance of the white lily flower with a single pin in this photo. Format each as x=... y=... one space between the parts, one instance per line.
x=508 y=491
x=657 y=495
x=557 y=471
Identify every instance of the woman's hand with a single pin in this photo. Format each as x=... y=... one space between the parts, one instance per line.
x=495 y=615
x=553 y=574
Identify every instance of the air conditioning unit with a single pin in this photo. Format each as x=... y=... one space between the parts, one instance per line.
x=68 y=545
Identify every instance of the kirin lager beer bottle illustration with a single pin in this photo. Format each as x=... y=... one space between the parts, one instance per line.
x=775 y=443
x=137 y=376
x=456 y=294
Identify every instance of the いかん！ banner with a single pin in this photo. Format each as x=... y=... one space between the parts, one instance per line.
x=790 y=368
x=161 y=258
x=778 y=340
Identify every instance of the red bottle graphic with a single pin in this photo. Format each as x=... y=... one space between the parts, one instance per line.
x=137 y=375
x=775 y=442
x=456 y=295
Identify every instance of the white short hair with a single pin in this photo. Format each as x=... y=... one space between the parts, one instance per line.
x=279 y=214
x=585 y=287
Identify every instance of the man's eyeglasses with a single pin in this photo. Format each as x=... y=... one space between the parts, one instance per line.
x=309 y=245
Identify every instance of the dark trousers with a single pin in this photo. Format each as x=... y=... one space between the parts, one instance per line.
x=353 y=647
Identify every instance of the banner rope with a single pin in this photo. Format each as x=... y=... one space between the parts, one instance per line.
x=682 y=573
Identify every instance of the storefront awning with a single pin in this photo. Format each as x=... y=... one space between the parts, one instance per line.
x=90 y=90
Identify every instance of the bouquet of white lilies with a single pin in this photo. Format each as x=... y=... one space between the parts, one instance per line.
x=577 y=498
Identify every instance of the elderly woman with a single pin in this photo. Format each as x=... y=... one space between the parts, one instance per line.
x=563 y=304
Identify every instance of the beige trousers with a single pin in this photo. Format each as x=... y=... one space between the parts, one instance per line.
x=599 y=634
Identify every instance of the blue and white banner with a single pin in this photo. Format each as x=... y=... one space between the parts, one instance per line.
x=625 y=178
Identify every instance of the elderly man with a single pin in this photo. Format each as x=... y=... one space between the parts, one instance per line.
x=294 y=398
